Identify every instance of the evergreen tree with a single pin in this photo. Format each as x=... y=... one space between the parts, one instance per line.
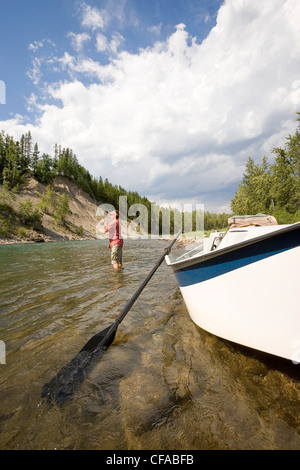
x=100 y=190
x=254 y=193
x=44 y=172
x=11 y=174
x=28 y=214
x=35 y=157
x=48 y=200
x=27 y=148
x=282 y=188
x=293 y=152
x=62 y=209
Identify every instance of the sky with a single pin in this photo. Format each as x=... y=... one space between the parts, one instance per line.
x=168 y=98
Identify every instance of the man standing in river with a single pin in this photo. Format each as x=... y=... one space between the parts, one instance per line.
x=115 y=240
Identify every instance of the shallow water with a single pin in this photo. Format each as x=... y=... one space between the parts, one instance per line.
x=163 y=384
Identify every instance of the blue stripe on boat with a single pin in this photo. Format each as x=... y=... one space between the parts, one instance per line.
x=237 y=258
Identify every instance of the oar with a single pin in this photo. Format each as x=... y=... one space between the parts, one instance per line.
x=70 y=377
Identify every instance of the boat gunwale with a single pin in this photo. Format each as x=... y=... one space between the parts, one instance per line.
x=177 y=265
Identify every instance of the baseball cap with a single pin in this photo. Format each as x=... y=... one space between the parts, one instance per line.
x=114 y=213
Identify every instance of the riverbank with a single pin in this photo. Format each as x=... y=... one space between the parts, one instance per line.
x=19 y=209
x=38 y=238
x=182 y=242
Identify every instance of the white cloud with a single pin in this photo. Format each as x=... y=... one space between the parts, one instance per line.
x=38 y=62
x=178 y=120
x=101 y=42
x=115 y=42
x=156 y=30
x=35 y=72
x=93 y=18
x=35 y=46
x=78 y=40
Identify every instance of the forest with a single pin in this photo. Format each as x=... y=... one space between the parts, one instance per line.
x=272 y=188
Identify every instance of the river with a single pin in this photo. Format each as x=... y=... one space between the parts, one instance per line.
x=164 y=383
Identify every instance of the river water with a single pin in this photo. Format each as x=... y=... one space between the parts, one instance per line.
x=164 y=383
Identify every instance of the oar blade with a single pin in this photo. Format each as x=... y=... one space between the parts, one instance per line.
x=102 y=339
x=68 y=380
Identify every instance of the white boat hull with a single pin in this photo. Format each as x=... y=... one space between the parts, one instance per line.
x=254 y=302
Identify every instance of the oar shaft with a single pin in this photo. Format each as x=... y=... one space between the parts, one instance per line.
x=135 y=296
x=145 y=282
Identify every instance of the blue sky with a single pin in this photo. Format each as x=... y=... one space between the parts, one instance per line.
x=165 y=97
x=52 y=24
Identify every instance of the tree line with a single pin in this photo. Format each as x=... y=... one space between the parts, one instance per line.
x=21 y=158
x=272 y=188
